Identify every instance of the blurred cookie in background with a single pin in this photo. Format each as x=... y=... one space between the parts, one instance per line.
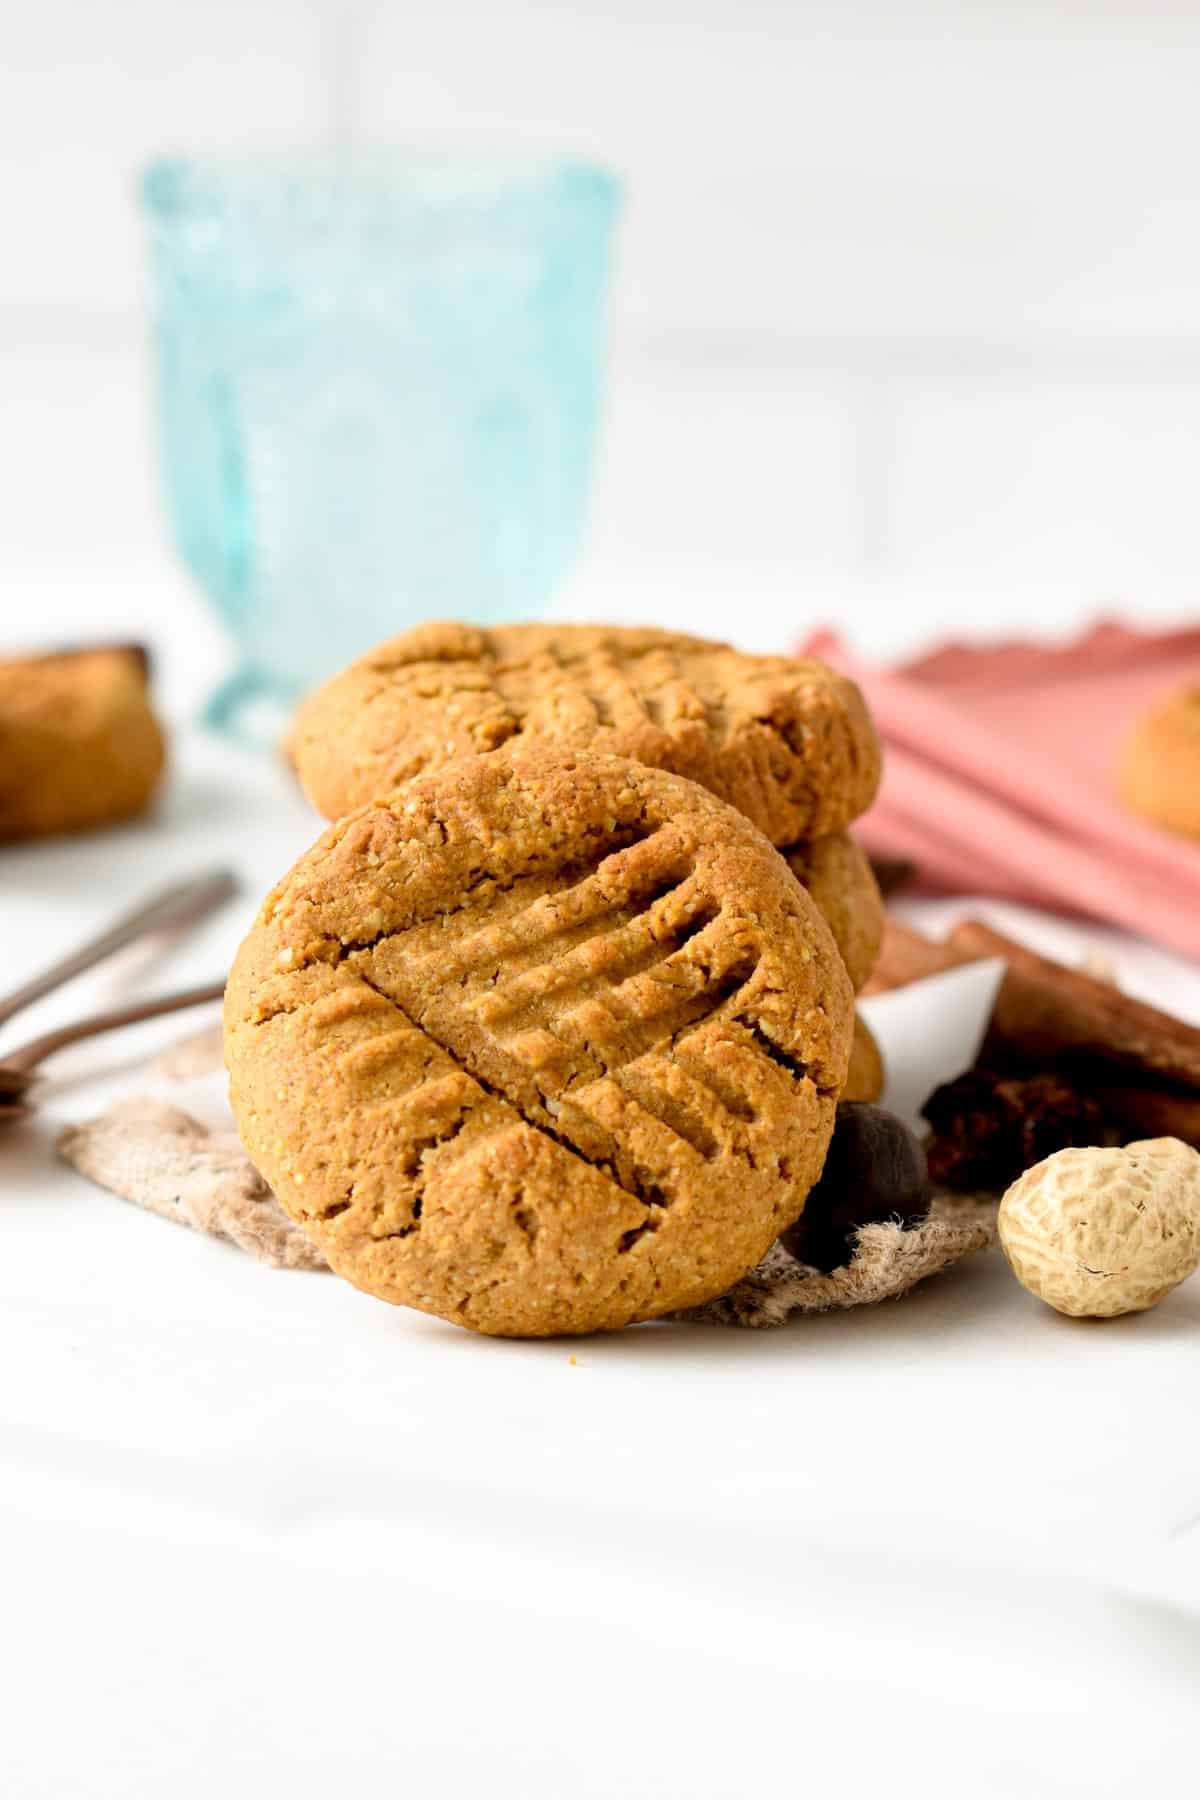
x=866 y=1076
x=1159 y=771
x=840 y=879
x=79 y=742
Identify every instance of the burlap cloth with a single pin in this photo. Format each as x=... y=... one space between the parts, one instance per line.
x=161 y=1158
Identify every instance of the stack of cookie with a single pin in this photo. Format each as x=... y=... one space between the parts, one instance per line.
x=788 y=742
x=543 y=1036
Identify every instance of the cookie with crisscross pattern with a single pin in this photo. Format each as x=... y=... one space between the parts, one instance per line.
x=788 y=742
x=542 y=1043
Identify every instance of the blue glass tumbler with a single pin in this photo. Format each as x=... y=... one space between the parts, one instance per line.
x=379 y=390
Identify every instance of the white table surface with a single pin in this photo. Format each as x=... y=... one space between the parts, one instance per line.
x=264 y=1535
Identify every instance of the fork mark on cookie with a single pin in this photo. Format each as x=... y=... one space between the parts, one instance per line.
x=669 y=1110
x=625 y=942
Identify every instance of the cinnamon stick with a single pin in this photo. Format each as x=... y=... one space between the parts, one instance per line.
x=1044 y=1010
x=1150 y=1111
x=1140 y=1063
x=906 y=956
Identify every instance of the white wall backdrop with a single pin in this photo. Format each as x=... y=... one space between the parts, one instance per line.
x=907 y=318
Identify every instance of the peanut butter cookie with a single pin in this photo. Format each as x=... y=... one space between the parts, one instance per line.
x=1159 y=775
x=837 y=874
x=789 y=743
x=866 y=1074
x=544 y=1042
x=79 y=744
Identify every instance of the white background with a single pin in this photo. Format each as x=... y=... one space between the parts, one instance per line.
x=907 y=314
x=907 y=335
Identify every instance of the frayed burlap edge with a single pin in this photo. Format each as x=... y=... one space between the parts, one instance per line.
x=160 y=1158
x=887 y=1262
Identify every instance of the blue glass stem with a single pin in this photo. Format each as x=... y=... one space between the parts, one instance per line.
x=228 y=708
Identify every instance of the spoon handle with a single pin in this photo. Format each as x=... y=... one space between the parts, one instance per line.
x=29 y=1055
x=183 y=903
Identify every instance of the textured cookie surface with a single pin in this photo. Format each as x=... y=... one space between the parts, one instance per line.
x=837 y=874
x=79 y=744
x=866 y=1075
x=544 y=1043
x=1159 y=775
x=789 y=743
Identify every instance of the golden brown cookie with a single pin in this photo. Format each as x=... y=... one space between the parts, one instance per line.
x=865 y=1077
x=1159 y=774
x=79 y=744
x=837 y=874
x=789 y=743
x=543 y=1043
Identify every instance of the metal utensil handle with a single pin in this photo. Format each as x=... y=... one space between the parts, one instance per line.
x=31 y=1054
x=183 y=903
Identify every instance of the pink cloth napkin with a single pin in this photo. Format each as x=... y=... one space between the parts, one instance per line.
x=998 y=775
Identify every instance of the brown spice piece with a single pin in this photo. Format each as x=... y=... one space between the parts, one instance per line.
x=906 y=956
x=989 y=1128
x=1147 y=1111
x=1044 y=1009
x=874 y=1171
x=168 y=1162
x=1138 y=1063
